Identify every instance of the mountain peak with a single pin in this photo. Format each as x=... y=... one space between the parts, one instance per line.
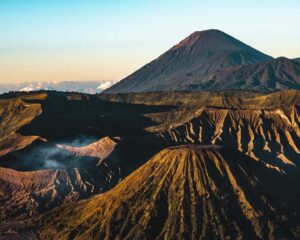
x=212 y=40
x=209 y=32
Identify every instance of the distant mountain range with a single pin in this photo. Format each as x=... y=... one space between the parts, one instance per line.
x=90 y=87
x=212 y=60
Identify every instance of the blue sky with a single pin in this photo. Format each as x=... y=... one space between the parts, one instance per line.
x=50 y=40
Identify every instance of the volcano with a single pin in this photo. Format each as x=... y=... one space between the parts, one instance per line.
x=185 y=192
x=200 y=54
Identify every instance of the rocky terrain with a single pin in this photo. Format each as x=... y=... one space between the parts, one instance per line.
x=248 y=139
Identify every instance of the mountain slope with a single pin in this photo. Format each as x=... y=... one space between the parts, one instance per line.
x=187 y=192
x=296 y=59
x=198 y=55
x=280 y=73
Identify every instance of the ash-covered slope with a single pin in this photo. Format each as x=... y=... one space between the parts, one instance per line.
x=198 y=55
x=186 y=192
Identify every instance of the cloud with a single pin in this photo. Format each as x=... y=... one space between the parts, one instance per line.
x=32 y=87
x=105 y=85
x=26 y=89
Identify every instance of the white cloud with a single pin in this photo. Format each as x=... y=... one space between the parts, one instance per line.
x=105 y=85
x=26 y=89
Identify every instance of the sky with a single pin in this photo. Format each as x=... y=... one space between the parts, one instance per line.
x=105 y=40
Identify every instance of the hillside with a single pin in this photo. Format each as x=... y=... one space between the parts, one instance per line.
x=187 y=192
x=280 y=73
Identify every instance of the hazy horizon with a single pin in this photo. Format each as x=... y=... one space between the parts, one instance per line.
x=105 y=41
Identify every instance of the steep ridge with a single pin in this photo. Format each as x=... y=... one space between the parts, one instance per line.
x=296 y=59
x=187 y=192
x=280 y=73
x=198 y=55
x=14 y=142
x=15 y=113
x=268 y=135
x=100 y=149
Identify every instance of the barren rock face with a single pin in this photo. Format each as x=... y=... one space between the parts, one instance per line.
x=187 y=192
